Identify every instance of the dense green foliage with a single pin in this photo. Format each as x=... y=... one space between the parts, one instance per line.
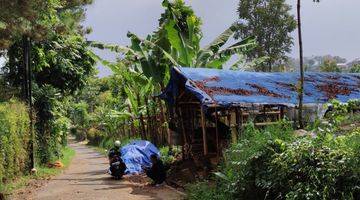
x=271 y=23
x=60 y=63
x=274 y=164
x=61 y=66
x=39 y=19
x=14 y=140
x=52 y=124
x=64 y=63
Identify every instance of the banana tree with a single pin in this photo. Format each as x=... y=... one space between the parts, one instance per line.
x=183 y=52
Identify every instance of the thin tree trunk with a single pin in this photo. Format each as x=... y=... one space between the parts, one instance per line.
x=132 y=122
x=301 y=89
x=149 y=122
x=28 y=94
x=142 y=123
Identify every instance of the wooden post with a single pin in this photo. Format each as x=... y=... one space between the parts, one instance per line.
x=217 y=133
x=241 y=122
x=238 y=123
x=192 y=126
x=232 y=126
x=182 y=125
x=203 y=125
x=282 y=114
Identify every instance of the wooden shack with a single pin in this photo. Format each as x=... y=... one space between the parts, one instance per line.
x=210 y=107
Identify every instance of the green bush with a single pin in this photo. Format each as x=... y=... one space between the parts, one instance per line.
x=169 y=157
x=272 y=164
x=52 y=125
x=95 y=136
x=14 y=140
x=321 y=168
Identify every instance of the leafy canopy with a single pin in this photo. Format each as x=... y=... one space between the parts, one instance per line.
x=329 y=65
x=271 y=22
x=39 y=19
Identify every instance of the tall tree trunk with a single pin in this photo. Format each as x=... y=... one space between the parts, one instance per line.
x=301 y=89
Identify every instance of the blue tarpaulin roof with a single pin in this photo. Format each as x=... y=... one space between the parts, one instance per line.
x=229 y=87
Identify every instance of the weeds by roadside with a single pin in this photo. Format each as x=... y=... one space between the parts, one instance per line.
x=43 y=172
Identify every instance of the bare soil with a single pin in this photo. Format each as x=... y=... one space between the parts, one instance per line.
x=86 y=178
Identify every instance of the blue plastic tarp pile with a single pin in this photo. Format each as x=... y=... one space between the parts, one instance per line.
x=229 y=87
x=137 y=154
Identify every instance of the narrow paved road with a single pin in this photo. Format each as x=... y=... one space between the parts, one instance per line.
x=86 y=178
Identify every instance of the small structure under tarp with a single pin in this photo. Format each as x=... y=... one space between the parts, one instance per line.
x=210 y=106
x=136 y=155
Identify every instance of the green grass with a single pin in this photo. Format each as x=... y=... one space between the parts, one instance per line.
x=42 y=173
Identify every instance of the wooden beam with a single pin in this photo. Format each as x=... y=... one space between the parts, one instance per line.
x=203 y=125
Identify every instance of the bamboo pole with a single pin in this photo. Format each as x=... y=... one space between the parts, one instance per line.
x=203 y=125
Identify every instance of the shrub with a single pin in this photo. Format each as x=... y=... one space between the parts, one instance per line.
x=321 y=168
x=95 y=136
x=271 y=164
x=14 y=140
x=167 y=156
